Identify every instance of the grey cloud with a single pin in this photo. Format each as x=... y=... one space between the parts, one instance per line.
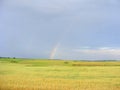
x=102 y=53
x=33 y=27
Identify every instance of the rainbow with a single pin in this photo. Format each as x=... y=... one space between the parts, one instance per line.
x=52 y=55
x=54 y=50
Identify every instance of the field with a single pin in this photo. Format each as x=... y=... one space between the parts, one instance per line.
x=21 y=74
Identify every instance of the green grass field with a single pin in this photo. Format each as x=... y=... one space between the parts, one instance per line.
x=20 y=74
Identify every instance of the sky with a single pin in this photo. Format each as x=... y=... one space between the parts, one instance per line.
x=60 y=29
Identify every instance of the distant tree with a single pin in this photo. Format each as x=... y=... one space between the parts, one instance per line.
x=14 y=61
x=66 y=62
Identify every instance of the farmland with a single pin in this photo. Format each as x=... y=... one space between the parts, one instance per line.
x=22 y=74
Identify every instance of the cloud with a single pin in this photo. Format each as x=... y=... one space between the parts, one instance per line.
x=66 y=6
x=99 y=53
x=32 y=27
x=45 y=6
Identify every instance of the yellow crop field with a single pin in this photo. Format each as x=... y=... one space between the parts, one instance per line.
x=59 y=75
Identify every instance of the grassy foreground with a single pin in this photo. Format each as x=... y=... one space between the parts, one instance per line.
x=16 y=74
